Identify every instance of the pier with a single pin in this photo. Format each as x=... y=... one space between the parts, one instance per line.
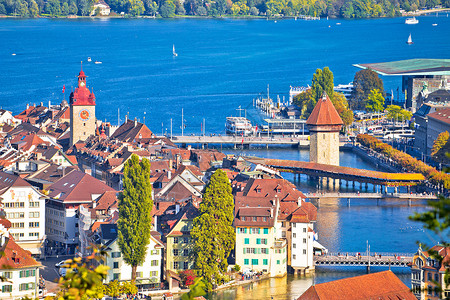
x=244 y=141
x=363 y=260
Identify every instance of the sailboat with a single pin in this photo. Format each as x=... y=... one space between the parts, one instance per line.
x=409 y=42
x=174 y=53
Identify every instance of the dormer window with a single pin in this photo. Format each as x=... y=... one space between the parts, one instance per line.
x=255 y=219
x=243 y=218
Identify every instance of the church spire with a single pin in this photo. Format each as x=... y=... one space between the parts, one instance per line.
x=81 y=77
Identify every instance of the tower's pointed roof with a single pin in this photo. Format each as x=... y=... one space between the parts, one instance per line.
x=324 y=113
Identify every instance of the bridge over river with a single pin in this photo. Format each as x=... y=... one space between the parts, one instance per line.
x=363 y=260
x=335 y=173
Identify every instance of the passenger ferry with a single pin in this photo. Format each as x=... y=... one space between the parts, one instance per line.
x=239 y=126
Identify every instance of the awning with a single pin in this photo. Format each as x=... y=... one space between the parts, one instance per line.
x=317 y=245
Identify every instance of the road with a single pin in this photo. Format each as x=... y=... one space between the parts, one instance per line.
x=50 y=272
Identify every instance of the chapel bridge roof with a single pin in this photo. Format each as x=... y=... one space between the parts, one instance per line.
x=338 y=172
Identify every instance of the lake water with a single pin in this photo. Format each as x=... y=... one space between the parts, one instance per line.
x=223 y=64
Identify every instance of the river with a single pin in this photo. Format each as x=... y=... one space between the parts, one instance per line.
x=223 y=64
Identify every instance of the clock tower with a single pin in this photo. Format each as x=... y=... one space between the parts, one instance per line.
x=82 y=111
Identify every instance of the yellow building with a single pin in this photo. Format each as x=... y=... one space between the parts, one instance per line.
x=178 y=239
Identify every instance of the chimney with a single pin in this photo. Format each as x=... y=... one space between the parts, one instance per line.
x=177 y=208
x=28 y=106
x=42 y=103
x=135 y=122
x=169 y=175
x=189 y=147
x=170 y=164
x=155 y=224
x=126 y=118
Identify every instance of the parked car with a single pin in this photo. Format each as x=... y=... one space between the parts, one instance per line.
x=60 y=264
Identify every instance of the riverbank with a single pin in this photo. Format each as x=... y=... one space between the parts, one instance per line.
x=424 y=12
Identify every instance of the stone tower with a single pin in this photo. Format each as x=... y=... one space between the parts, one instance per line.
x=82 y=111
x=324 y=125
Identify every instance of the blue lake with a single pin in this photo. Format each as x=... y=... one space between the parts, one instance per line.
x=222 y=64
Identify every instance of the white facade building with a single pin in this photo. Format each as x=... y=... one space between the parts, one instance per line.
x=17 y=266
x=25 y=208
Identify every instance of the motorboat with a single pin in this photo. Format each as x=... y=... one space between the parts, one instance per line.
x=411 y=21
x=98 y=62
x=89 y=59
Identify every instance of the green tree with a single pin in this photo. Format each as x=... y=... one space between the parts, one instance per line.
x=151 y=7
x=73 y=8
x=135 y=206
x=322 y=82
x=340 y=103
x=364 y=82
x=167 y=9
x=65 y=9
x=212 y=232
x=33 y=8
x=135 y=7
x=2 y=9
x=197 y=289
x=53 y=8
x=395 y=112
x=220 y=6
x=375 y=101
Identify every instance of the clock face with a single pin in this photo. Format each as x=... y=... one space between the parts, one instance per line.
x=85 y=114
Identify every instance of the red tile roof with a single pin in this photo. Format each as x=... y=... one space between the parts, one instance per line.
x=14 y=257
x=381 y=286
x=324 y=113
x=306 y=213
x=77 y=187
x=442 y=115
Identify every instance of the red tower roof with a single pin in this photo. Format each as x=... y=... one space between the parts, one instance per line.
x=324 y=113
x=82 y=95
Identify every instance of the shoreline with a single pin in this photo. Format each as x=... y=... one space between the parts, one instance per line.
x=232 y=17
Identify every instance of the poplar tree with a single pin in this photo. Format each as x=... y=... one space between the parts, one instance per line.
x=213 y=234
x=135 y=206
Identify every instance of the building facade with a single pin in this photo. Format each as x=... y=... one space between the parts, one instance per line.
x=25 y=208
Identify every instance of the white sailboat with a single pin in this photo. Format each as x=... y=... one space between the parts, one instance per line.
x=409 y=42
x=174 y=53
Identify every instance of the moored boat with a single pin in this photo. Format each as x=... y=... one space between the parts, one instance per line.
x=411 y=21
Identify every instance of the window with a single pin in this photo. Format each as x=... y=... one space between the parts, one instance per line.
x=175 y=265
x=155 y=252
x=429 y=276
x=304 y=251
x=294 y=256
x=278 y=261
x=255 y=261
x=265 y=262
x=265 y=230
x=154 y=274
x=7 y=289
x=34 y=214
x=116 y=276
x=430 y=290
x=186 y=252
x=246 y=261
x=283 y=224
x=293 y=224
x=33 y=234
x=265 y=219
x=33 y=224
x=116 y=265
x=294 y=245
x=242 y=230
x=18 y=225
x=264 y=251
x=186 y=265
x=26 y=286
x=264 y=241
x=243 y=218
x=283 y=234
x=436 y=277
x=175 y=252
x=154 y=263
x=304 y=241
x=139 y=274
x=186 y=240
x=115 y=254
x=246 y=241
x=27 y=273
x=294 y=235
x=7 y=275
x=258 y=241
x=304 y=229
x=175 y=240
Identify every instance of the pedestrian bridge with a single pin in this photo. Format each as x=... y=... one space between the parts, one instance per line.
x=364 y=260
x=412 y=196
x=341 y=173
